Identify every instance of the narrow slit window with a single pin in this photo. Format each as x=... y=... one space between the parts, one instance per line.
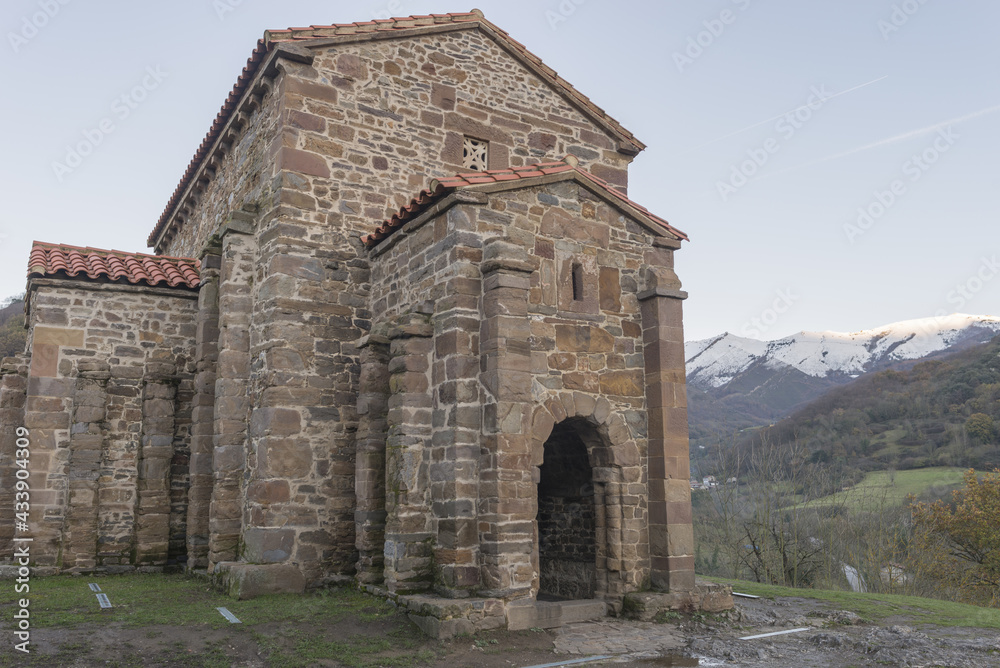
x=476 y=155
x=577 y=276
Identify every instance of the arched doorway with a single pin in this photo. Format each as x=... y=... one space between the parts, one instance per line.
x=567 y=516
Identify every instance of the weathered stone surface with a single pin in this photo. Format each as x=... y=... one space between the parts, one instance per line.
x=583 y=338
x=246 y=581
x=703 y=597
x=400 y=414
x=623 y=383
x=265 y=545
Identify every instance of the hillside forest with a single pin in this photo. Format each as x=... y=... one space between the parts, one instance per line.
x=864 y=487
x=12 y=333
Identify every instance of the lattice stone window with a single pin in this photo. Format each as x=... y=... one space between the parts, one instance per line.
x=476 y=155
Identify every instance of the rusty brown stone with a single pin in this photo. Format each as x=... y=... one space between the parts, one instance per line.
x=623 y=383
x=303 y=162
x=583 y=338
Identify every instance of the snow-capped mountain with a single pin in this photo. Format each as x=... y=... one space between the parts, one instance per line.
x=716 y=362
x=736 y=382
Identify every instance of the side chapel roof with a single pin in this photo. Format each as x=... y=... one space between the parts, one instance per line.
x=518 y=177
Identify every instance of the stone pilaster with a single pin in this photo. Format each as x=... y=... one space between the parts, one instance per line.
x=671 y=537
x=508 y=499
x=455 y=445
x=86 y=444
x=369 y=478
x=117 y=495
x=13 y=388
x=310 y=310
x=47 y=412
x=232 y=404
x=153 y=512
x=409 y=538
x=203 y=411
x=180 y=471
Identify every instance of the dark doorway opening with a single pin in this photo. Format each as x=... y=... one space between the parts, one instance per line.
x=567 y=542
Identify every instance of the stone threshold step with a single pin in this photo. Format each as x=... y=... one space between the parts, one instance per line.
x=552 y=614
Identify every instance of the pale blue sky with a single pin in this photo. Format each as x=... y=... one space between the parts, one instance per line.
x=768 y=257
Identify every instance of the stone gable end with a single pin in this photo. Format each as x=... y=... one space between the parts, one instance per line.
x=346 y=139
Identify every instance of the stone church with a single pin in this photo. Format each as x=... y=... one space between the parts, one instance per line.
x=402 y=326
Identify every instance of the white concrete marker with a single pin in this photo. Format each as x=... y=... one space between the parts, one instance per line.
x=228 y=615
x=777 y=633
x=103 y=600
x=94 y=587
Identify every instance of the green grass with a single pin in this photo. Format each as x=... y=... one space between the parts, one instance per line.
x=176 y=600
x=887 y=489
x=878 y=607
x=291 y=629
x=138 y=600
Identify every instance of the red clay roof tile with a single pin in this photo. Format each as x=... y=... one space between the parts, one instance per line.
x=94 y=263
x=442 y=187
x=271 y=37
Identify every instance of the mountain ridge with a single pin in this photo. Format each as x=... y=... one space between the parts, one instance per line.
x=735 y=382
x=819 y=354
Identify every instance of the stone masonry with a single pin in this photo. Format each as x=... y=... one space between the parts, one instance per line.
x=106 y=395
x=345 y=362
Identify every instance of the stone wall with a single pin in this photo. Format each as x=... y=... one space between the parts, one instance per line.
x=108 y=406
x=515 y=350
x=239 y=174
x=332 y=147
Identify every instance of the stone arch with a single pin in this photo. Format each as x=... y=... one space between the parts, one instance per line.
x=613 y=457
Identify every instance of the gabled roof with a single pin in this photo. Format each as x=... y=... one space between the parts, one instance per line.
x=515 y=178
x=379 y=28
x=61 y=261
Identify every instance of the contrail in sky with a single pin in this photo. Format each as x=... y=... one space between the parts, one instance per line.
x=887 y=140
x=773 y=118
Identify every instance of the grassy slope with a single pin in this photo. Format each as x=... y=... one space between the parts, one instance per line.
x=12 y=333
x=892 y=488
x=878 y=607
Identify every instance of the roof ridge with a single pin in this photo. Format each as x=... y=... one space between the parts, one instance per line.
x=438 y=188
x=111 y=251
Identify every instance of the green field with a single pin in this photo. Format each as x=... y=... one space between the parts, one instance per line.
x=881 y=607
x=891 y=488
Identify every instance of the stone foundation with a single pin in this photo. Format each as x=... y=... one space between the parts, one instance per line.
x=705 y=597
x=446 y=618
x=244 y=581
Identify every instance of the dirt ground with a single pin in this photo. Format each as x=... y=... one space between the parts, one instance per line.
x=833 y=638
